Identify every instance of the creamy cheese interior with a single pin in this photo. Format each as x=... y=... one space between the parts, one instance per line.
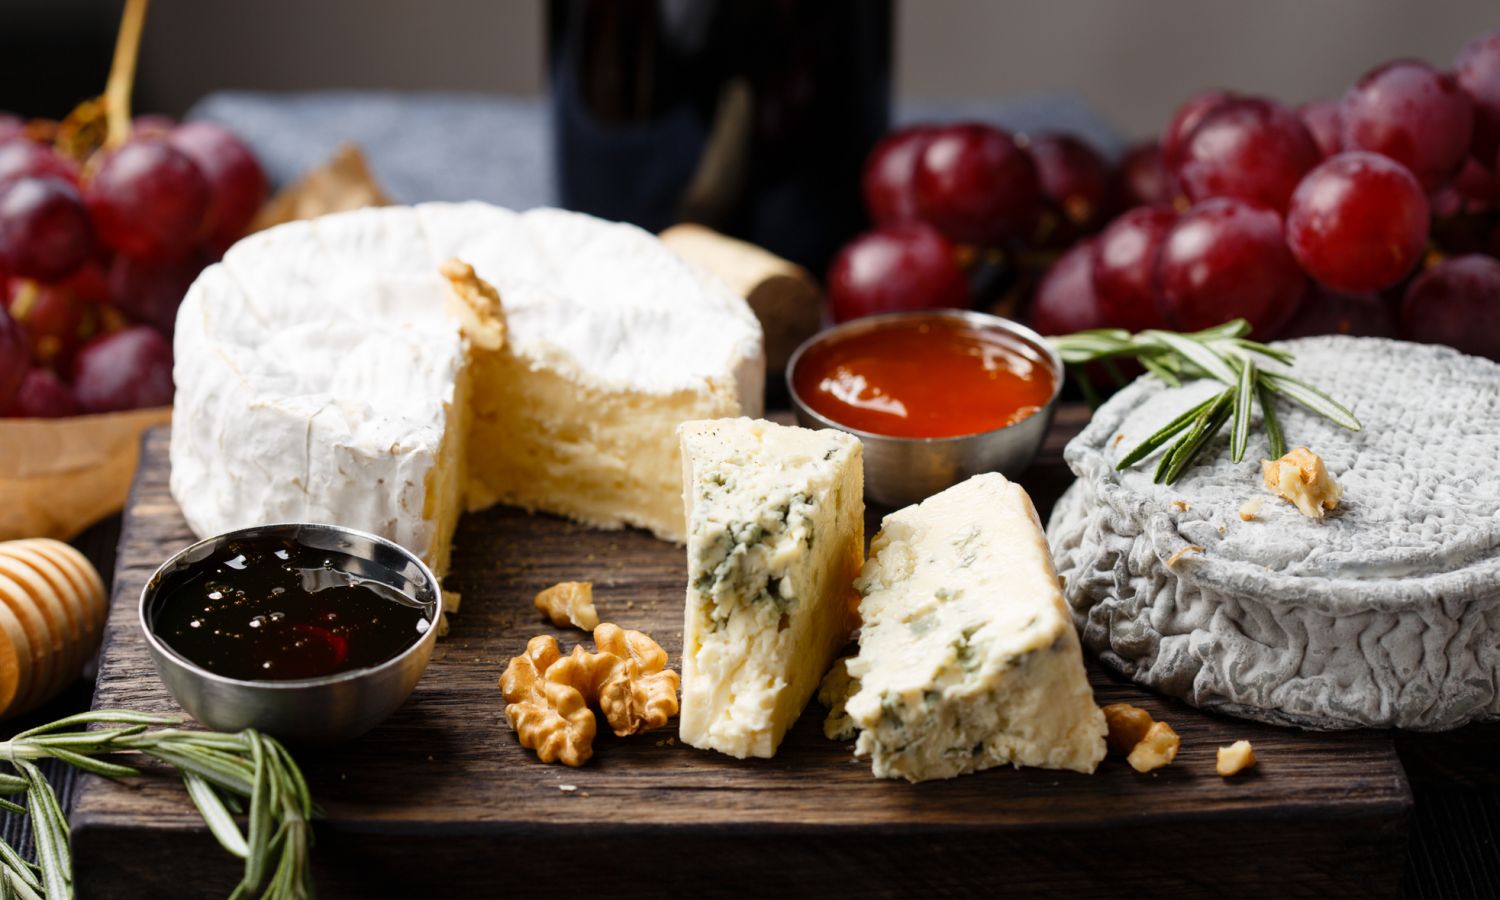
x=775 y=538
x=967 y=656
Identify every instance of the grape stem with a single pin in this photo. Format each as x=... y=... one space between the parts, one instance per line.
x=122 y=72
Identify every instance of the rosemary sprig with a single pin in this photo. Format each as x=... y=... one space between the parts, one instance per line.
x=219 y=770
x=1223 y=354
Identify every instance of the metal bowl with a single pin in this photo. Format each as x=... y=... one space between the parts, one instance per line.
x=331 y=708
x=900 y=471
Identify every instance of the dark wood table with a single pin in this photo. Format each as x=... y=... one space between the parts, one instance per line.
x=1113 y=834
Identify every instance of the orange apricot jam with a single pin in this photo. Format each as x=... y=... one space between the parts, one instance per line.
x=924 y=377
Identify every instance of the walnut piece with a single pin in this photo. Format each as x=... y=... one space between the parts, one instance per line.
x=552 y=719
x=1177 y=557
x=834 y=692
x=1127 y=725
x=569 y=603
x=1301 y=478
x=642 y=693
x=1235 y=758
x=548 y=695
x=1156 y=749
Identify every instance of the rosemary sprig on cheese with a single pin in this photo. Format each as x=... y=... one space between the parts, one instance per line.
x=221 y=771
x=1222 y=354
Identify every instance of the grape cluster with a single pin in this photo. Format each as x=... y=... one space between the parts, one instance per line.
x=97 y=252
x=1377 y=213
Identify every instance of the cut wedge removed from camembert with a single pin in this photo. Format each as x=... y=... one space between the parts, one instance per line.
x=325 y=373
x=775 y=538
x=967 y=655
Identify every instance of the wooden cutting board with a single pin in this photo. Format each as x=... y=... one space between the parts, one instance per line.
x=441 y=800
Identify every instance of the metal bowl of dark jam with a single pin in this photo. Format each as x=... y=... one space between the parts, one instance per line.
x=306 y=632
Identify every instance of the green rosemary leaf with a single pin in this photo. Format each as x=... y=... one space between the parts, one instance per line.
x=1272 y=422
x=1313 y=399
x=7 y=888
x=21 y=867
x=231 y=778
x=112 y=716
x=21 y=888
x=1197 y=353
x=1165 y=433
x=1232 y=329
x=51 y=842
x=260 y=816
x=294 y=775
x=1244 y=399
x=1282 y=356
x=1181 y=445
x=1187 y=453
x=10 y=784
x=102 y=741
x=1160 y=371
x=16 y=808
x=218 y=818
x=89 y=764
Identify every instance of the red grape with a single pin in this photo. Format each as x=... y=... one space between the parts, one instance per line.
x=976 y=184
x=1143 y=177
x=1125 y=267
x=149 y=199
x=1456 y=302
x=53 y=316
x=1478 y=72
x=1325 y=123
x=129 y=369
x=889 y=177
x=1414 y=114
x=23 y=158
x=897 y=267
x=1477 y=183
x=15 y=357
x=43 y=396
x=1327 y=312
x=150 y=291
x=1185 y=121
x=1459 y=224
x=1074 y=177
x=234 y=176
x=44 y=228
x=1250 y=148
x=152 y=124
x=1226 y=259
x=1065 y=300
x=1358 y=222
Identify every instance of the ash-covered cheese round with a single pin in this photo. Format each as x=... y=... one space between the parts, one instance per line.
x=1384 y=613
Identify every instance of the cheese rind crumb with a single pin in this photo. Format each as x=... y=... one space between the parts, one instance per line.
x=1301 y=479
x=1250 y=509
x=1235 y=758
x=1156 y=749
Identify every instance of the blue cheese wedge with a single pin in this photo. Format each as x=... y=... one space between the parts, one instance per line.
x=967 y=655
x=775 y=521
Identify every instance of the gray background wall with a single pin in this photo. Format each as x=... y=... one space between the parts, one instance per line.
x=1133 y=59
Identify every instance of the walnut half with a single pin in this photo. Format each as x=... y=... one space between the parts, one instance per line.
x=1156 y=749
x=548 y=695
x=569 y=603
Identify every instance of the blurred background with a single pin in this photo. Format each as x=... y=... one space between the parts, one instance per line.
x=1133 y=61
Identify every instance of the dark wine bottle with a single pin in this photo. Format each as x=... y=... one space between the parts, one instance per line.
x=750 y=116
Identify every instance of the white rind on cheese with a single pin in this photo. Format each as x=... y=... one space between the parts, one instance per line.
x=967 y=655
x=775 y=538
x=1384 y=613
x=322 y=378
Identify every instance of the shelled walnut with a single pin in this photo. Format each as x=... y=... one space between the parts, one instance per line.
x=1156 y=749
x=569 y=603
x=548 y=696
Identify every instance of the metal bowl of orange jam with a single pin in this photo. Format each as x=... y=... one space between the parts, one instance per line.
x=935 y=396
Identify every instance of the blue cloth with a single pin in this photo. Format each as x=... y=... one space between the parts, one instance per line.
x=445 y=146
